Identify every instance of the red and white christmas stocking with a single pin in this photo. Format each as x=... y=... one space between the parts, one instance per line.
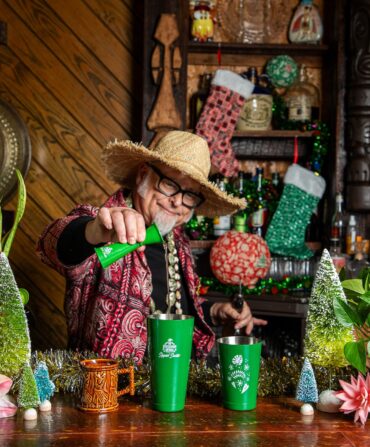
x=219 y=116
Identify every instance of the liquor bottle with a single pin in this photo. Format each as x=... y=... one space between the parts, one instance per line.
x=299 y=100
x=359 y=261
x=338 y=257
x=221 y=224
x=313 y=90
x=277 y=183
x=256 y=113
x=240 y=218
x=306 y=24
x=259 y=216
x=351 y=235
x=198 y=98
x=339 y=221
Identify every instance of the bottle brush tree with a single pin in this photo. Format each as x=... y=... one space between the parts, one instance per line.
x=15 y=344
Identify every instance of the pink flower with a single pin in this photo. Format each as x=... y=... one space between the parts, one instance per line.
x=356 y=397
x=7 y=409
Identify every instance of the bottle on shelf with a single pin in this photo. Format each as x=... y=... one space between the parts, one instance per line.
x=259 y=215
x=199 y=98
x=221 y=224
x=359 y=261
x=339 y=221
x=277 y=183
x=351 y=235
x=313 y=90
x=256 y=113
x=306 y=24
x=300 y=99
x=239 y=220
x=338 y=257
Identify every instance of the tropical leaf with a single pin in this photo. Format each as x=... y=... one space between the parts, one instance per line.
x=8 y=240
x=353 y=285
x=355 y=353
x=345 y=314
x=1 y=226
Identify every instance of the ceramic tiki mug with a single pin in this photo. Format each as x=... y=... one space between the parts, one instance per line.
x=100 y=383
x=240 y=359
x=170 y=339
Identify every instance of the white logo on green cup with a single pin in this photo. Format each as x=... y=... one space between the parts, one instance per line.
x=239 y=373
x=106 y=250
x=169 y=350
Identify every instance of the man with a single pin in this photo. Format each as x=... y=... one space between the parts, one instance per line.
x=106 y=309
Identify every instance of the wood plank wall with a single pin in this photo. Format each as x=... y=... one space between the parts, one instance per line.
x=68 y=70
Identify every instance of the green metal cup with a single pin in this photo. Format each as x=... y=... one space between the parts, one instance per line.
x=169 y=344
x=112 y=252
x=240 y=359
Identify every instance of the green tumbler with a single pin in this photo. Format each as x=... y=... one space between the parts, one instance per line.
x=169 y=344
x=240 y=358
x=112 y=252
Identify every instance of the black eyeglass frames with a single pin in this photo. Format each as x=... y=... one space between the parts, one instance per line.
x=170 y=188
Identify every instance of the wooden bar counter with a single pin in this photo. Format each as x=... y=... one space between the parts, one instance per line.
x=275 y=422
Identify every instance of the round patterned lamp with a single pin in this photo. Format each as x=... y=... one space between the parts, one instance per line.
x=240 y=258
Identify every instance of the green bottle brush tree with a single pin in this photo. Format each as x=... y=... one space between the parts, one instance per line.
x=15 y=344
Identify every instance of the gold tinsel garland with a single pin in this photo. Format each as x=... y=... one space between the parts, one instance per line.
x=278 y=377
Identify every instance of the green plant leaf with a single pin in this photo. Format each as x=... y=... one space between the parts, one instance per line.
x=342 y=274
x=365 y=297
x=353 y=285
x=1 y=226
x=24 y=295
x=363 y=311
x=367 y=280
x=346 y=315
x=19 y=213
x=355 y=353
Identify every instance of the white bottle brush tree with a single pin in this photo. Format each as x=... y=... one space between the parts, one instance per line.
x=15 y=344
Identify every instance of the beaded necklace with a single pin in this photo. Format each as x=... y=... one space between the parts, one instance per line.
x=173 y=297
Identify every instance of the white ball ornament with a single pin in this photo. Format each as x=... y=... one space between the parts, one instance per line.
x=45 y=405
x=30 y=414
x=307 y=410
x=328 y=402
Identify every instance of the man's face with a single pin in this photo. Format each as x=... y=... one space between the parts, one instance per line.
x=154 y=205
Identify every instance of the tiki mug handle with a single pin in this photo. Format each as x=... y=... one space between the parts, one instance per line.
x=131 y=386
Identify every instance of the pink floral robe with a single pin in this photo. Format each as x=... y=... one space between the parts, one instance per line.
x=106 y=309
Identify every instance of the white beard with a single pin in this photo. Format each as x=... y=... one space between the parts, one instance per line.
x=164 y=222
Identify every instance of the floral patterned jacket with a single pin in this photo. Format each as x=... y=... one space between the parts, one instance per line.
x=106 y=309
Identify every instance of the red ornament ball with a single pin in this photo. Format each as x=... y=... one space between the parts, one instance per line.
x=240 y=257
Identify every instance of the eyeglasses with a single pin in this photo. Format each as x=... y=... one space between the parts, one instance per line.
x=170 y=188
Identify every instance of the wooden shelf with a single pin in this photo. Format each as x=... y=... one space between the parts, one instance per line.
x=267 y=49
x=314 y=246
x=272 y=134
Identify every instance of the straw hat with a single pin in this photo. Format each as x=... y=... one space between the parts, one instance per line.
x=184 y=151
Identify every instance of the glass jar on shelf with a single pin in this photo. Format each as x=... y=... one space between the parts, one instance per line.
x=299 y=100
x=256 y=113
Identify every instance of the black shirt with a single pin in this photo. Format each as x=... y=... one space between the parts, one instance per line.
x=72 y=249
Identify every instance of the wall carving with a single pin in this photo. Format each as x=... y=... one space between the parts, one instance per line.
x=358 y=108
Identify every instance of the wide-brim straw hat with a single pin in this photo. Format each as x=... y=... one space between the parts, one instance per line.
x=184 y=151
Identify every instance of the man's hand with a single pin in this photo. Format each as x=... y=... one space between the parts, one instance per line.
x=225 y=311
x=116 y=225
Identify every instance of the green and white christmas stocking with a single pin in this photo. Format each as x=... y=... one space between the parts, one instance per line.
x=286 y=233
